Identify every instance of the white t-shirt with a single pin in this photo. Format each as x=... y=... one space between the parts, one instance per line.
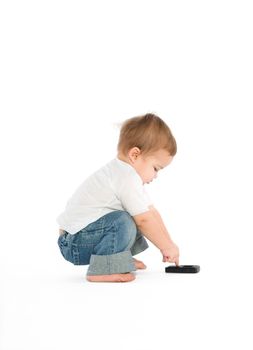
x=116 y=186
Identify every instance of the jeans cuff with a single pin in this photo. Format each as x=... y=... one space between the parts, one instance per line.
x=109 y=264
x=139 y=246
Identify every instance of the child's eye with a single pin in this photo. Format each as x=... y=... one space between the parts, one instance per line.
x=155 y=169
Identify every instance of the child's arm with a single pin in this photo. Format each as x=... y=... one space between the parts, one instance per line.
x=151 y=225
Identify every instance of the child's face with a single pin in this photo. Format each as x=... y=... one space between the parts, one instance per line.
x=148 y=166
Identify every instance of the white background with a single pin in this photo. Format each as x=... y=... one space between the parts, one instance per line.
x=71 y=71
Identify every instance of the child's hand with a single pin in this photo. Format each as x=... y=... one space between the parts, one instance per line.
x=171 y=254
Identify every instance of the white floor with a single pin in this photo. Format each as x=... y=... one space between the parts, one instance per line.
x=53 y=307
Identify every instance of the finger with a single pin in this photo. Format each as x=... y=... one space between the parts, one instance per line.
x=177 y=261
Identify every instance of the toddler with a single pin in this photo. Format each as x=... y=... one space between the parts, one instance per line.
x=106 y=220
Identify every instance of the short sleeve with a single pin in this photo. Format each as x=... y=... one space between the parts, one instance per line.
x=132 y=195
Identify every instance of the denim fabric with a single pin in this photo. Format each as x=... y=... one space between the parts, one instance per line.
x=106 y=244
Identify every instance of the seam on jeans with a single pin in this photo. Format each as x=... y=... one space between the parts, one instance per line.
x=75 y=252
x=113 y=247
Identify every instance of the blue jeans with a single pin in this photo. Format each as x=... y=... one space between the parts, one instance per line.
x=107 y=244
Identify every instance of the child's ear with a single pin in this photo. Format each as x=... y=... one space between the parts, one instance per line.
x=134 y=153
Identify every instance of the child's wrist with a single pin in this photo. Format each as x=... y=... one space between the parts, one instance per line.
x=168 y=246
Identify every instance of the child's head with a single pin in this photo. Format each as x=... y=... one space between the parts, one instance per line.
x=146 y=143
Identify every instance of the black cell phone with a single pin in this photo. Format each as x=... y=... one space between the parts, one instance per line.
x=183 y=269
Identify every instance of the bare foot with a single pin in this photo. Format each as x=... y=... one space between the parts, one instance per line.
x=139 y=265
x=117 y=277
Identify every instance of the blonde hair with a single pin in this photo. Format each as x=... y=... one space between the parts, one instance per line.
x=147 y=132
